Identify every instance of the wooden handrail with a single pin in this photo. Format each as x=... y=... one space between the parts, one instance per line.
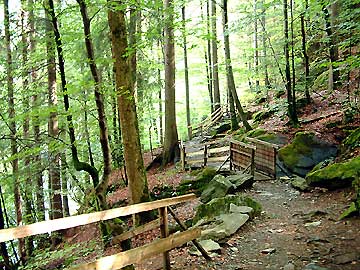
x=73 y=221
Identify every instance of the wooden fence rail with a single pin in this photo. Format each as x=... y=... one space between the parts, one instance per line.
x=204 y=125
x=123 y=258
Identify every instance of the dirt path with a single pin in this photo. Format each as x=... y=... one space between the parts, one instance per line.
x=294 y=229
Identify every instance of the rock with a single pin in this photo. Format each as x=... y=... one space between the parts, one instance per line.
x=313 y=224
x=313 y=266
x=198 y=184
x=241 y=181
x=350 y=212
x=209 y=246
x=353 y=140
x=268 y=251
x=289 y=266
x=241 y=209
x=217 y=187
x=336 y=175
x=220 y=206
x=225 y=225
x=299 y=183
x=347 y=258
x=305 y=152
x=220 y=129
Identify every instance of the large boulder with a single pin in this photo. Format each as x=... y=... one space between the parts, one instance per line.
x=217 y=187
x=305 y=152
x=241 y=180
x=197 y=185
x=224 y=226
x=218 y=206
x=336 y=175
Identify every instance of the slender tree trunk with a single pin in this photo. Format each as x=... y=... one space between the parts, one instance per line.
x=64 y=184
x=171 y=147
x=263 y=37
x=256 y=48
x=291 y=108
x=138 y=186
x=292 y=2
x=187 y=88
x=334 y=75
x=304 y=51
x=79 y=166
x=214 y=47
x=3 y=249
x=87 y=133
x=12 y=126
x=209 y=69
x=99 y=99
x=229 y=71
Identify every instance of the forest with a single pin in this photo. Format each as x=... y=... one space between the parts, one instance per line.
x=100 y=100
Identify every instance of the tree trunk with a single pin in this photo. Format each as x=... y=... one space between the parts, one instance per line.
x=28 y=187
x=334 y=75
x=256 y=48
x=187 y=88
x=263 y=37
x=291 y=109
x=229 y=71
x=161 y=129
x=171 y=147
x=3 y=249
x=214 y=47
x=12 y=126
x=209 y=70
x=304 y=51
x=292 y=2
x=79 y=166
x=99 y=99
x=127 y=109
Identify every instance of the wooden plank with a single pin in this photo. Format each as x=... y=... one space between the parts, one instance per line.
x=241 y=151
x=136 y=255
x=136 y=231
x=243 y=144
x=73 y=221
x=219 y=149
x=216 y=159
x=164 y=232
x=194 y=154
x=253 y=140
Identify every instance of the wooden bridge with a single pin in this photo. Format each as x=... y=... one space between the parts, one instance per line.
x=132 y=256
x=255 y=156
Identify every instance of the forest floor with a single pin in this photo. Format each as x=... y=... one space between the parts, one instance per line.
x=295 y=229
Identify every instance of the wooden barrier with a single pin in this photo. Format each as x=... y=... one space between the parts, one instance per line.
x=242 y=156
x=123 y=258
x=265 y=157
x=207 y=154
x=206 y=124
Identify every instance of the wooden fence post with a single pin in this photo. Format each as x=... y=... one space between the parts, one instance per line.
x=182 y=156
x=231 y=156
x=205 y=154
x=164 y=231
x=252 y=167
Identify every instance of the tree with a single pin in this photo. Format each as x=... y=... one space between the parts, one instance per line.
x=290 y=97
x=3 y=249
x=229 y=71
x=187 y=88
x=12 y=126
x=127 y=108
x=304 y=51
x=256 y=47
x=171 y=147
x=215 y=66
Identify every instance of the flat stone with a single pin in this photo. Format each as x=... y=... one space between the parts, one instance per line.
x=226 y=225
x=209 y=246
x=299 y=183
x=241 y=180
x=313 y=266
x=218 y=187
x=240 y=209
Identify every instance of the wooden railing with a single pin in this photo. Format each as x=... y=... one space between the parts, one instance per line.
x=259 y=156
x=204 y=125
x=128 y=257
x=207 y=154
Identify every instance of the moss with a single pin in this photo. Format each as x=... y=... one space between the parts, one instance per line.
x=353 y=140
x=302 y=144
x=198 y=184
x=335 y=175
x=256 y=133
x=269 y=137
x=351 y=211
x=222 y=206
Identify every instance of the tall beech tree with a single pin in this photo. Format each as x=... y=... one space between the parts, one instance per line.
x=229 y=70
x=171 y=147
x=214 y=52
x=135 y=171
x=12 y=126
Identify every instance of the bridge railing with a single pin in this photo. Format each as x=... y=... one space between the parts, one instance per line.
x=119 y=260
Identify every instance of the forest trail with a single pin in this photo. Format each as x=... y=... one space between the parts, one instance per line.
x=295 y=230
